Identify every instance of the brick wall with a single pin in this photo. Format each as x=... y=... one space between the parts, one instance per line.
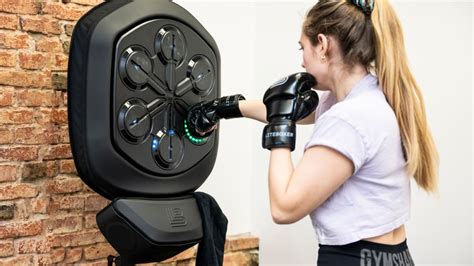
x=47 y=214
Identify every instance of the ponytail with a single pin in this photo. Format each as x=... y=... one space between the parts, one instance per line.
x=404 y=96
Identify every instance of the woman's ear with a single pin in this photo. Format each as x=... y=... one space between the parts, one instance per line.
x=324 y=42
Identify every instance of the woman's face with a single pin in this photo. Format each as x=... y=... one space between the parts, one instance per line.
x=312 y=60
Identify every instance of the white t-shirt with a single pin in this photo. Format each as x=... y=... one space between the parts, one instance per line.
x=376 y=198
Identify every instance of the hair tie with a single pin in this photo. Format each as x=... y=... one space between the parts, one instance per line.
x=367 y=6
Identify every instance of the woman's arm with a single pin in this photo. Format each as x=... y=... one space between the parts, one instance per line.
x=295 y=192
x=255 y=109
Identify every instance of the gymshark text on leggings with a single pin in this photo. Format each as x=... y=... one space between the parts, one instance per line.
x=371 y=257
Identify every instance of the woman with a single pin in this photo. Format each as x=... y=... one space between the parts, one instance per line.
x=370 y=136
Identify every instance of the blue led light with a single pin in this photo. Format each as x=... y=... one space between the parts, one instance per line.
x=154 y=144
x=171 y=132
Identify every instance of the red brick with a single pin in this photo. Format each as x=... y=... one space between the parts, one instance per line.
x=58 y=204
x=7 y=58
x=8 y=21
x=48 y=117
x=25 y=153
x=101 y=250
x=240 y=258
x=36 y=170
x=64 y=136
x=60 y=151
x=76 y=239
x=39 y=205
x=15 y=116
x=49 y=44
x=19 y=229
x=7 y=172
x=59 y=81
x=241 y=242
x=96 y=203
x=18 y=190
x=14 y=40
x=32 y=245
x=65 y=12
x=32 y=60
x=55 y=256
x=61 y=97
x=33 y=97
x=43 y=117
x=25 y=79
x=18 y=260
x=84 y=2
x=6 y=136
x=40 y=24
x=62 y=184
x=69 y=28
x=6 y=96
x=36 y=135
x=66 y=47
x=21 y=210
x=73 y=255
x=65 y=99
x=59 y=62
x=90 y=221
x=59 y=115
x=6 y=248
x=63 y=225
x=67 y=167
x=20 y=7
x=7 y=211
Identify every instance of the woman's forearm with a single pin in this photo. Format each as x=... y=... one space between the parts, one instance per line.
x=254 y=109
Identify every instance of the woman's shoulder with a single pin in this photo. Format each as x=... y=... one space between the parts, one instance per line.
x=370 y=110
x=326 y=101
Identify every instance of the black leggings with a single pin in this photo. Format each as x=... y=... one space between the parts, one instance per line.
x=365 y=253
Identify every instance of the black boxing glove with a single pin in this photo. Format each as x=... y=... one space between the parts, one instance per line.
x=287 y=101
x=203 y=117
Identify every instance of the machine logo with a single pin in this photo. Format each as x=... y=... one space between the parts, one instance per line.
x=176 y=217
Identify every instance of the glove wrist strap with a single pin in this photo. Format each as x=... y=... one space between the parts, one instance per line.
x=229 y=106
x=281 y=134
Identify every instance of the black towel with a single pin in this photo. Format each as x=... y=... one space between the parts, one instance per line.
x=214 y=224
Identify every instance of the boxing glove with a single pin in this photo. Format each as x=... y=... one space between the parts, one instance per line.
x=203 y=117
x=287 y=101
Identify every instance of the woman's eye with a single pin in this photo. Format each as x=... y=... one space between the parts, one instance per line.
x=301 y=48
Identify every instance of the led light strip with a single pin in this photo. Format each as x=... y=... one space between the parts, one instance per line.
x=190 y=137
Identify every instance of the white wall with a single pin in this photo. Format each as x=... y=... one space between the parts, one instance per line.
x=446 y=78
x=258 y=45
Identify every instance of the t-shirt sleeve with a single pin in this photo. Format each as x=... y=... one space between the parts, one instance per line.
x=340 y=135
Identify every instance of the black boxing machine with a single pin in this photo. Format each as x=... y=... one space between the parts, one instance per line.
x=135 y=68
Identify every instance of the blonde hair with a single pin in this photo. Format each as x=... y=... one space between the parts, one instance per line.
x=376 y=41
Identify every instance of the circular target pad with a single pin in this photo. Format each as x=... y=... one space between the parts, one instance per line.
x=163 y=68
x=135 y=66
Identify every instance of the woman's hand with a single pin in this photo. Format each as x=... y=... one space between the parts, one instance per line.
x=203 y=117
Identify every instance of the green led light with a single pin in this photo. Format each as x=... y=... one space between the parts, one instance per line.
x=190 y=137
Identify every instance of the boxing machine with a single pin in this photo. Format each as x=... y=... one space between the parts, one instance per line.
x=135 y=68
